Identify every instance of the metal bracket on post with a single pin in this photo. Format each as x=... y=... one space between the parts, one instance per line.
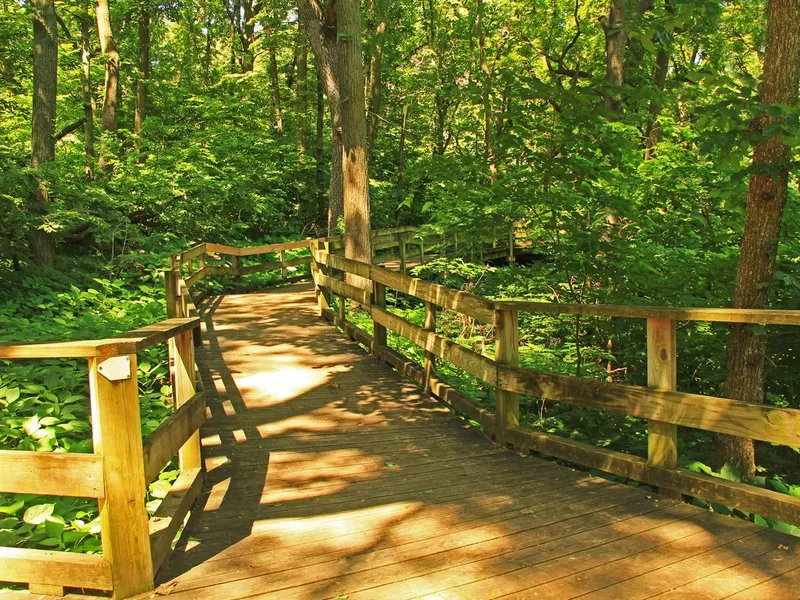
x=116 y=368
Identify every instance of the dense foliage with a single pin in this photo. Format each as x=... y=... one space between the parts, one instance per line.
x=485 y=117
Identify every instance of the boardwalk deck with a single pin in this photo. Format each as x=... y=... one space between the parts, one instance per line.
x=332 y=477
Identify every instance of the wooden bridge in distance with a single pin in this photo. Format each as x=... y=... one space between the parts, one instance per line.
x=335 y=471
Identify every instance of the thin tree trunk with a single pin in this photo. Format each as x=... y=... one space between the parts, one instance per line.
x=653 y=135
x=321 y=27
x=376 y=83
x=486 y=85
x=319 y=143
x=140 y=112
x=88 y=99
x=616 y=42
x=111 y=91
x=207 y=54
x=276 y=89
x=45 y=82
x=301 y=97
x=357 y=230
x=765 y=202
x=401 y=155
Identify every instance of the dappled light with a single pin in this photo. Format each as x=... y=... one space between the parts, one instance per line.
x=330 y=476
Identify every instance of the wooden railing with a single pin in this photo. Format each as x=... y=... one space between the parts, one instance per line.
x=118 y=470
x=660 y=402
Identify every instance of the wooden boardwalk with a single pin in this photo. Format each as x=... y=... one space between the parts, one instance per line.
x=330 y=476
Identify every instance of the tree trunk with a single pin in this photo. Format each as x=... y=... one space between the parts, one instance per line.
x=659 y=79
x=45 y=81
x=208 y=51
x=276 y=89
x=88 y=99
x=486 y=85
x=616 y=42
x=301 y=97
x=376 y=83
x=111 y=90
x=319 y=145
x=765 y=202
x=140 y=112
x=357 y=230
x=320 y=25
x=401 y=155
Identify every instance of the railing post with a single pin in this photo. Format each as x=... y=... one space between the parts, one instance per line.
x=401 y=239
x=506 y=353
x=511 y=240
x=378 y=330
x=117 y=436
x=322 y=299
x=430 y=357
x=237 y=267
x=184 y=387
x=283 y=268
x=421 y=251
x=662 y=374
x=174 y=305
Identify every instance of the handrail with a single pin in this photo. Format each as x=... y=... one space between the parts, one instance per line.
x=659 y=402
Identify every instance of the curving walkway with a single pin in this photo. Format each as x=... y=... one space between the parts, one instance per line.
x=330 y=476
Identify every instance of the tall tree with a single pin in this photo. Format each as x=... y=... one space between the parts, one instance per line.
x=276 y=88
x=140 y=112
x=766 y=199
x=86 y=90
x=111 y=93
x=45 y=81
x=486 y=92
x=301 y=96
x=376 y=79
x=357 y=229
x=320 y=26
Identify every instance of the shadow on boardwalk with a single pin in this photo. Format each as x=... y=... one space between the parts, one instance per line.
x=329 y=475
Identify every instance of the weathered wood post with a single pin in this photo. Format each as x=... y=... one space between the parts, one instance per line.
x=117 y=436
x=511 y=240
x=401 y=239
x=237 y=267
x=662 y=374
x=316 y=270
x=184 y=387
x=282 y=257
x=173 y=300
x=430 y=357
x=506 y=353
x=378 y=330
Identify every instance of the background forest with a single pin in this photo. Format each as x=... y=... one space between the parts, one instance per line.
x=615 y=139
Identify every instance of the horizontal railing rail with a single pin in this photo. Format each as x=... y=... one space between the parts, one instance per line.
x=664 y=407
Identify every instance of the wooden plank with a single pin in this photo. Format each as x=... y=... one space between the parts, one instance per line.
x=463 y=358
x=195 y=278
x=162 y=444
x=463 y=302
x=184 y=390
x=769 y=504
x=378 y=330
x=282 y=260
x=766 y=423
x=273 y=266
x=66 y=569
x=344 y=289
x=662 y=374
x=116 y=433
x=52 y=473
x=316 y=269
x=188 y=255
x=252 y=250
x=169 y=517
x=719 y=315
x=353 y=332
x=507 y=354
x=340 y=263
x=127 y=343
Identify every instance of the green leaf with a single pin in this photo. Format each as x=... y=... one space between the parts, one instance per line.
x=730 y=472
x=12 y=509
x=36 y=515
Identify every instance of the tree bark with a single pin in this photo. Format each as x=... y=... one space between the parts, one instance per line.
x=616 y=42
x=320 y=26
x=301 y=93
x=319 y=143
x=276 y=89
x=45 y=81
x=357 y=230
x=140 y=111
x=766 y=199
x=86 y=90
x=111 y=89
x=376 y=84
